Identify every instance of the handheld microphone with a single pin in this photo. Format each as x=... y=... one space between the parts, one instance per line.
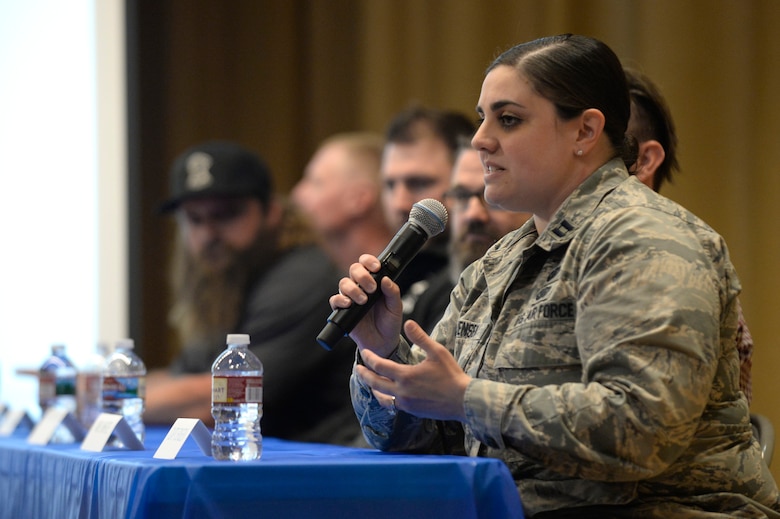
x=427 y=218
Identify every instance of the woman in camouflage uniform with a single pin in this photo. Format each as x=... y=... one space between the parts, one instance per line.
x=593 y=348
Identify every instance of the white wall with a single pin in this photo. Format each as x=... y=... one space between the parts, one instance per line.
x=62 y=174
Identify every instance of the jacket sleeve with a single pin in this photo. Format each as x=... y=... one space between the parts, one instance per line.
x=390 y=430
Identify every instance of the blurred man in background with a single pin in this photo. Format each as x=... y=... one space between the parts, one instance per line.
x=245 y=263
x=340 y=193
x=420 y=148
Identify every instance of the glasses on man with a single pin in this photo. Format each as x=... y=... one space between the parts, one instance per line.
x=460 y=197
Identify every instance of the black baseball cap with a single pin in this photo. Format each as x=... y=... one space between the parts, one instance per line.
x=218 y=168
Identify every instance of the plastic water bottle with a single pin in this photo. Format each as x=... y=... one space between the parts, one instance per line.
x=124 y=386
x=57 y=388
x=89 y=386
x=237 y=402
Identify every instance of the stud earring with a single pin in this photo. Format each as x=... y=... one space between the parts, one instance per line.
x=579 y=153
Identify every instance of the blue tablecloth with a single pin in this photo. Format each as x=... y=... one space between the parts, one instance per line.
x=292 y=480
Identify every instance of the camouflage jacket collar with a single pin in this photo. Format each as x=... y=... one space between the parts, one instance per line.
x=581 y=203
x=574 y=211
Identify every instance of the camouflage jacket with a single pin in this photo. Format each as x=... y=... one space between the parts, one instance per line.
x=603 y=363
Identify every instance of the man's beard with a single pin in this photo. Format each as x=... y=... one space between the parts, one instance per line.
x=465 y=252
x=208 y=300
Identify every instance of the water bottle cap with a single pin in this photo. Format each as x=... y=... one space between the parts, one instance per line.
x=57 y=348
x=127 y=344
x=238 y=338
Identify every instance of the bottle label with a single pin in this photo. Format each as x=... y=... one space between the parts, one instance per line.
x=89 y=388
x=65 y=386
x=47 y=388
x=89 y=385
x=237 y=390
x=118 y=388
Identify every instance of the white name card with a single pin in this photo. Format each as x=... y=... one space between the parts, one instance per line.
x=12 y=419
x=182 y=429
x=104 y=426
x=44 y=430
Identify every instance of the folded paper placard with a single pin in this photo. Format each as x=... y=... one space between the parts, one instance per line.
x=105 y=425
x=44 y=430
x=12 y=419
x=178 y=434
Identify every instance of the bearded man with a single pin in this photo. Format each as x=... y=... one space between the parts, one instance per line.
x=245 y=263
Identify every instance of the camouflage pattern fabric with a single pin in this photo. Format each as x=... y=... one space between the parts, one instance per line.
x=744 y=342
x=604 y=364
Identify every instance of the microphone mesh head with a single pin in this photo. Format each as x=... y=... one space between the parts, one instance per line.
x=430 y=214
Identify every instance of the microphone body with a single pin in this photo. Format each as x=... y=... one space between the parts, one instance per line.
x=397 y=255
